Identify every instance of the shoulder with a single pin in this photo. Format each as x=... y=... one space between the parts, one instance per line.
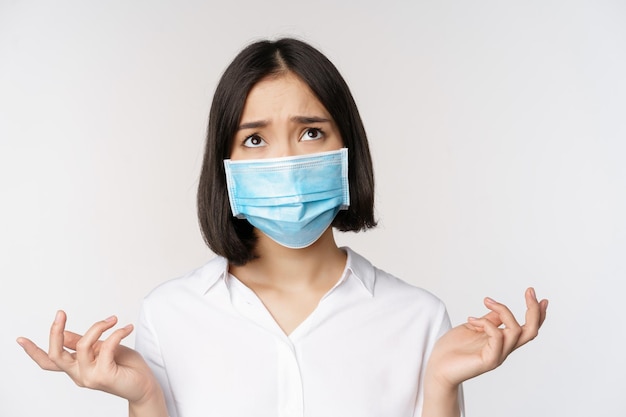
x=413 y=299
x=388 y=288
x=194 y=283
x=399 y=306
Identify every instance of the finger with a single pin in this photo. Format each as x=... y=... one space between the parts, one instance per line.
x=107 y=351
x=530 y=329
x=495 y=353
x=493 y=317
x=512 y=330
x=56 y=352
x=37 y=354
x=85 y=349
x=544 y=308
x=70 y=339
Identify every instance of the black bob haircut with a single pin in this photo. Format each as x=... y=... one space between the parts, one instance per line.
x=235 y=238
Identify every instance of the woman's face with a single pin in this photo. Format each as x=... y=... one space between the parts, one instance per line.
x=282 y=117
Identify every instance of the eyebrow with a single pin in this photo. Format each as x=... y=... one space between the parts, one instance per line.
x=309 y=119
x=253 y=125
x=298 y=119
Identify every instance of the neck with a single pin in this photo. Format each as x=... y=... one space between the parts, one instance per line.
x=316 y=265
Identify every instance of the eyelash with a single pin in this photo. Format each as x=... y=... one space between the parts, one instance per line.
x=313 y=129
x=253 y=136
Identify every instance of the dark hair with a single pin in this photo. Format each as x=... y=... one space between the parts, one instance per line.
x=234 y=238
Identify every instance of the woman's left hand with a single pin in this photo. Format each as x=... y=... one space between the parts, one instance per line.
x=482 y=344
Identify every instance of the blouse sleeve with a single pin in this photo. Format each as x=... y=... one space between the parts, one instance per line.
x=147 y=344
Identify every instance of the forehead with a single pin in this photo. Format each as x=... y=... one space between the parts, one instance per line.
x=283 y=94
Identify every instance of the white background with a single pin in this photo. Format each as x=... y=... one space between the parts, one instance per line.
x=498 y=135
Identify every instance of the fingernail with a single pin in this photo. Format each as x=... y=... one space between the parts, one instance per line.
x=490 y=300
x=532 y=292
x=472 y=319
x=109 y=319
x=20 y=342
x=58 y=317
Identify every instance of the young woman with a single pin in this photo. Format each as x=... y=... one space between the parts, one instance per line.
x=283 y=322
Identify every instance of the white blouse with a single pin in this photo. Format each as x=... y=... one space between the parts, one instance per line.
x=217 y=351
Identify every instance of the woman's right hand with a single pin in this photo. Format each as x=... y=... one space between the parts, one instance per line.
x=103 y=365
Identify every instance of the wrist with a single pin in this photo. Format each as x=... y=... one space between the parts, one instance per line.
x=437 y=381
x=441 y=398
x=151 y=404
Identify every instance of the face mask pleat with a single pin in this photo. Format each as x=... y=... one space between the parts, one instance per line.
x=293 y=200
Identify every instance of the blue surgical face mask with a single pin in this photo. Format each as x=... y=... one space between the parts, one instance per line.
x=292 y=200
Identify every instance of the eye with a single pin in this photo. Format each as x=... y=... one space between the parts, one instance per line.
x=254 y=141
x=312 y=133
